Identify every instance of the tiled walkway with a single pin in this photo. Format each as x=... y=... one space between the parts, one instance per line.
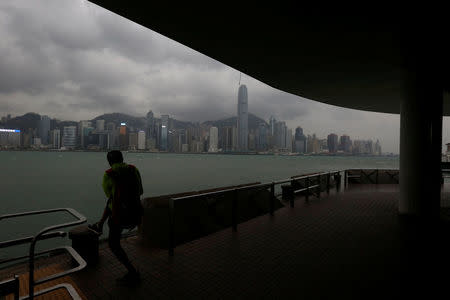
x=347 y=245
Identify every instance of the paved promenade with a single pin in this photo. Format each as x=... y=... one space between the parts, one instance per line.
x=347 y=245
x=350 y=244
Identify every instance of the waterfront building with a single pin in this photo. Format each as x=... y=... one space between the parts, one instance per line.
x=111 y=126
x=300 y=145
x=44 y=129
x=242 y=119
x=323 y=145
x=83 y=132
x=345 y=144
x=313 y=144
x=272 y=122
x=182 y=140
x=363 y=147
x=377 y=150
x=235 y=138
x=123 y=136
x=262 y=137
x=37 y=141
x=9 y=138
x=252 y=141
x=213 y=139
x=197 y=146
x=26 y=139
x=100 y=125
x=141 y=140
x=164 y=133
x=280 y=135
x=150 y=126
x=132 y=141
x=69 y=139
x=332 y=142
x=289 y=140
x=56 y=138
x=150 y=144
x=226 y=138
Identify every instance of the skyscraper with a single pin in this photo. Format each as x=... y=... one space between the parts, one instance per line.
x=150 y=125
x=300 y=141
x=100 y=125
x=242 y=118
x=272 y=122
x=69 y=136
x=56 y=137
x=262 y=137
x=332 y=142
x=132 y=141
x=44 y=129
x=289 y=140
x=84 y=128
x=123 y=136
x=164 y=133
x=141 y=140
x=346 y=143
x=213 y=139
x=280 y=135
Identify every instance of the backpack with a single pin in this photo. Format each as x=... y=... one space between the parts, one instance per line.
x=127 y=193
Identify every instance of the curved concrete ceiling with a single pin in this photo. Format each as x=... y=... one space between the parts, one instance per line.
x=346 y=59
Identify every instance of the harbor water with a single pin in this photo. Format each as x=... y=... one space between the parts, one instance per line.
x=44 y=180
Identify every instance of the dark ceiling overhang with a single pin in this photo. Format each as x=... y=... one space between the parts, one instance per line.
x=329 y=54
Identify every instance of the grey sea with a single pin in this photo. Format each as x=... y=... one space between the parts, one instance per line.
x=43 y=180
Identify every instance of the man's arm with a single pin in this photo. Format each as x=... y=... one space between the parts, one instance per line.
x=108 y=188
x=107 y=185
x=138 y=176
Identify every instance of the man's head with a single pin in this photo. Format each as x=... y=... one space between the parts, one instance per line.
x=114 y=157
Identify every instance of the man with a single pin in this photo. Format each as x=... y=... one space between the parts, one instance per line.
x=123 y=187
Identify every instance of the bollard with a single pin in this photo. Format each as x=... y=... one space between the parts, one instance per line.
x=328 y=183
x=337 y=177
x=318 y=185
x=85 y=242
x=307 y=189
x=345 y=179
x=272 y=198
x=171 y=227
x=234 y=210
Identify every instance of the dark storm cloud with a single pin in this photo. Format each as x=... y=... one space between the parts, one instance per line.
x=73 y=60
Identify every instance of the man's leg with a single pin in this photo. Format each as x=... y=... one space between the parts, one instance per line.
x=114 y=244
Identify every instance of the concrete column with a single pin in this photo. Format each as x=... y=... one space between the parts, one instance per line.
x=420 y=146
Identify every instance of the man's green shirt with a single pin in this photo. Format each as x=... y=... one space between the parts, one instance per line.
x=108 y=181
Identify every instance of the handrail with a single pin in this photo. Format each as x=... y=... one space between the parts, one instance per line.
x=171 y=206
x=248 y=187
x=28 y=239
x=43 y=235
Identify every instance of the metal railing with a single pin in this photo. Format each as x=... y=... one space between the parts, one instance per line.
x=46 y=233
x=368 y=174
x=235 y=192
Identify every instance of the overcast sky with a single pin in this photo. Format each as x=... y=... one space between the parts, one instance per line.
x=73 y=60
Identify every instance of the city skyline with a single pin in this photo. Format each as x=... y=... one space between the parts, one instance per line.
x=163 y=135
x=95 y=62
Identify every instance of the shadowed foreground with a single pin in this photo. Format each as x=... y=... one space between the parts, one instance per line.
x=350 y=244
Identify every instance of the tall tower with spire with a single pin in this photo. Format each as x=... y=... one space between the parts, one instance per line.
x=242 y=118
